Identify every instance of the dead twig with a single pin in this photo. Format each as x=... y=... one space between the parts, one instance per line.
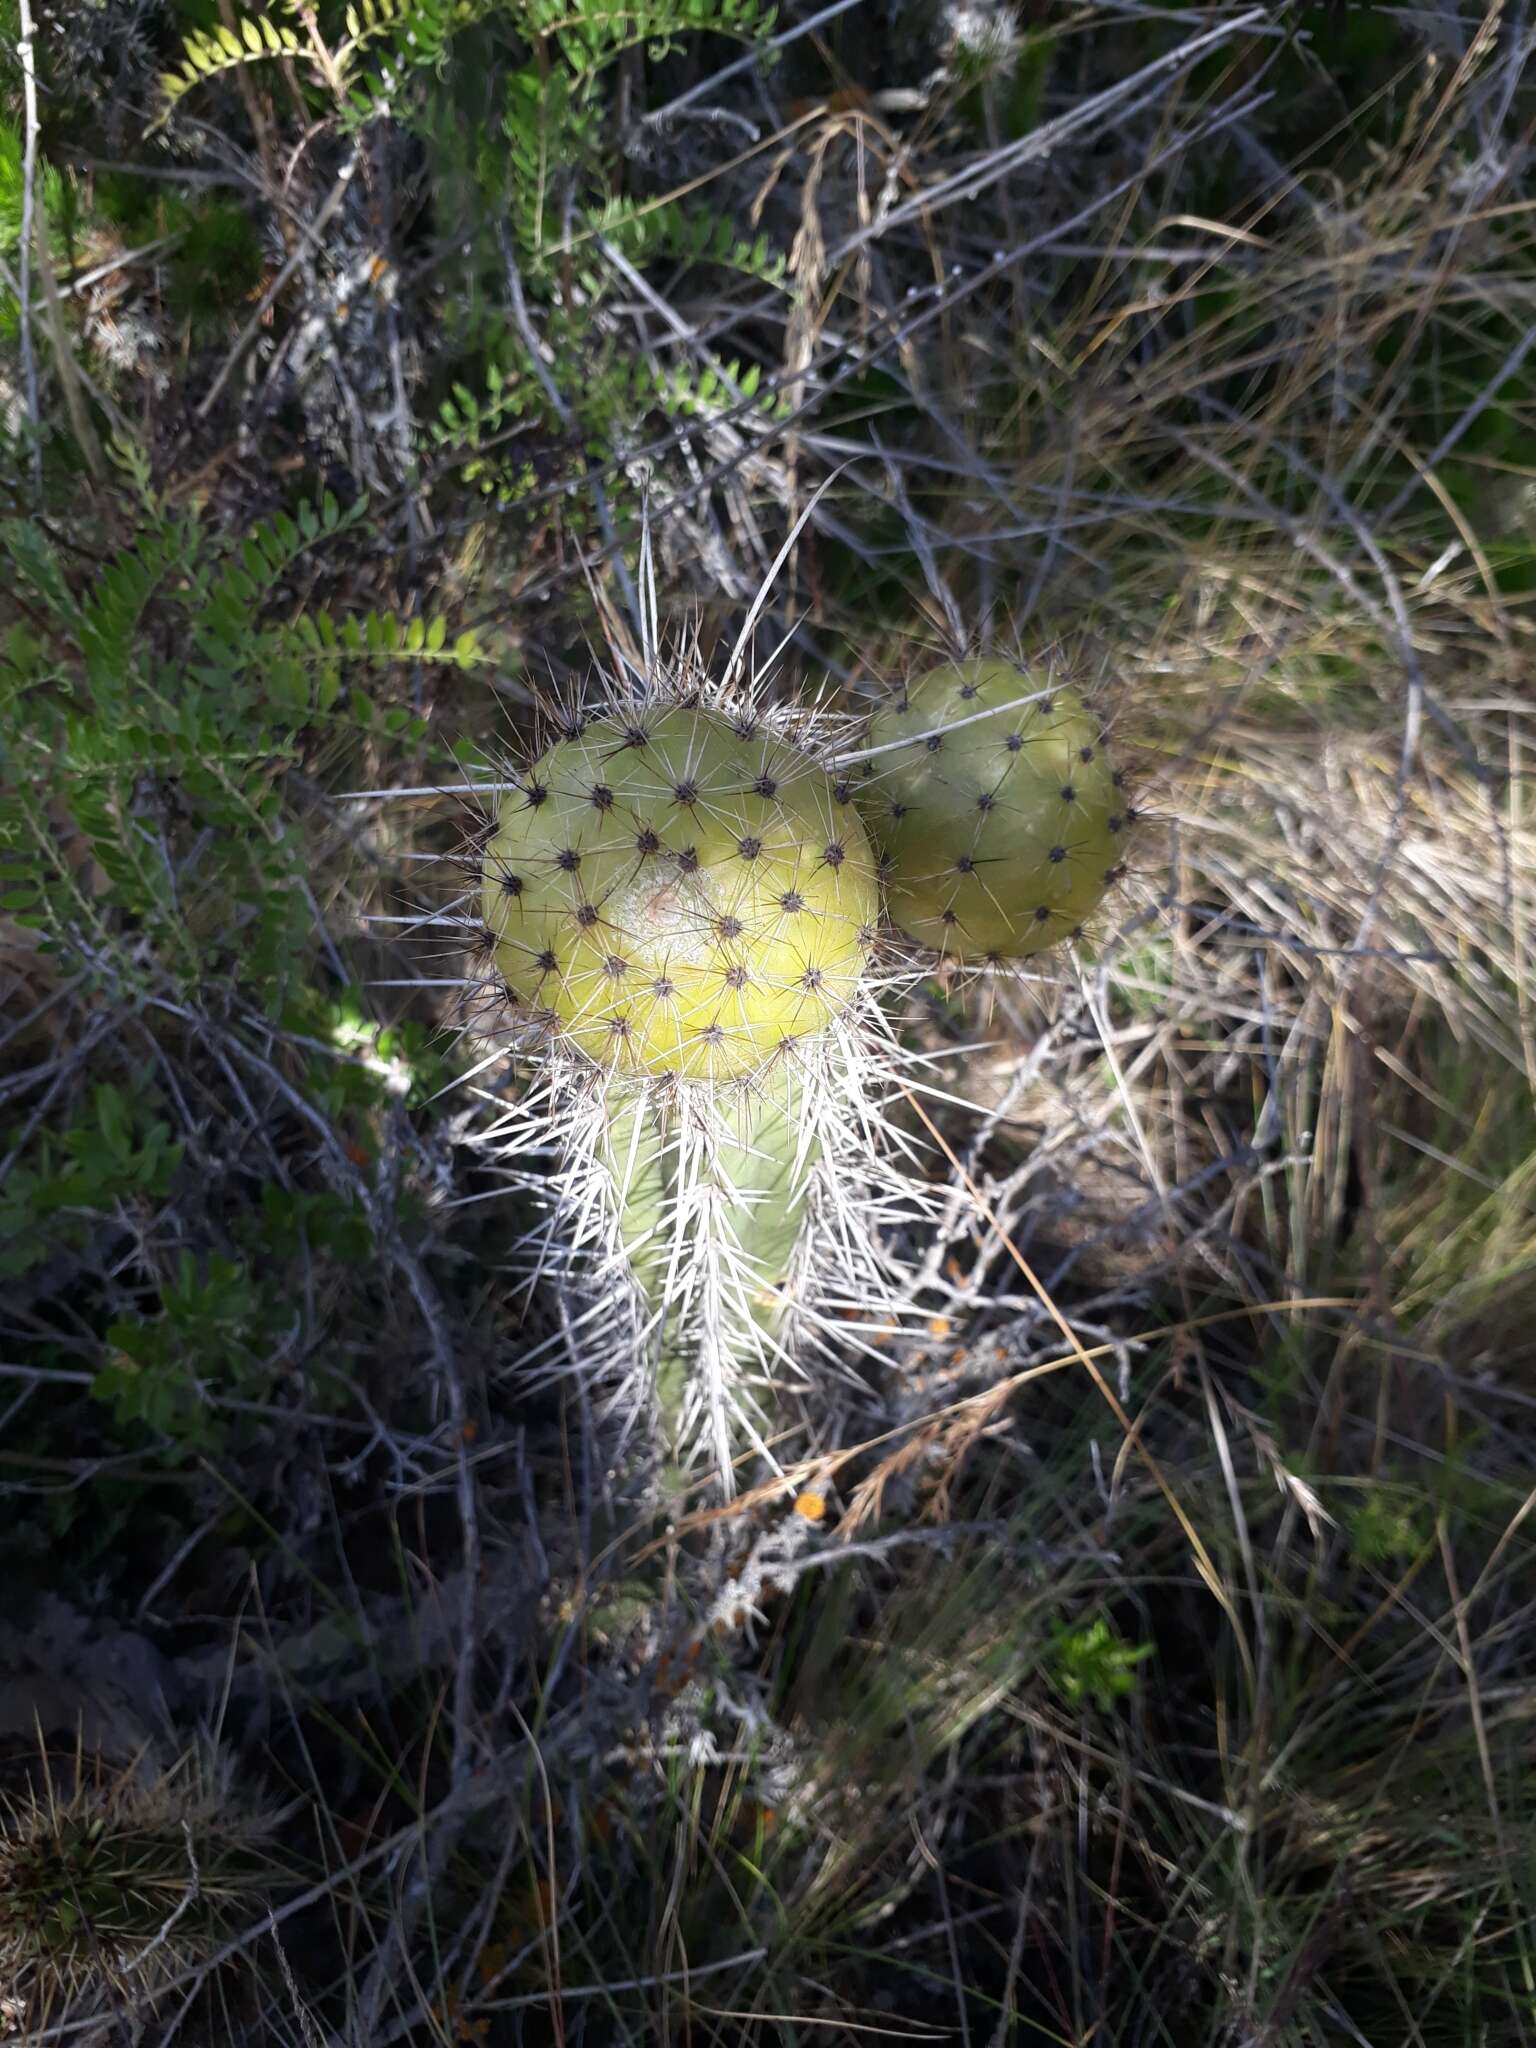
x=26 y=50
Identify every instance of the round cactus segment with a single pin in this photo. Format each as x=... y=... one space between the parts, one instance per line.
x=991 y=796
x=678 y=893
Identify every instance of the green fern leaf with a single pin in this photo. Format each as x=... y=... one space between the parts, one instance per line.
x=206 y=53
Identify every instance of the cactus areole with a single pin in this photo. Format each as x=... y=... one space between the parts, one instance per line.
x=996 y=809
x=679 y=893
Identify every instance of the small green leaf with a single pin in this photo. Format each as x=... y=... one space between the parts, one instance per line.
x=113 y=1120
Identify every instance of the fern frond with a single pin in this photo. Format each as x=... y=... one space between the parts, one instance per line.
x=641 y=232
x=421 y=27
x=319 y=645
x=712 y=388
x=591 y=33
x=30 y=551
x=380 y=636
x=222 y=605
x=369 y=18
x=465 y=422
x=207 y=53
x=110 y=619
x=418 y=33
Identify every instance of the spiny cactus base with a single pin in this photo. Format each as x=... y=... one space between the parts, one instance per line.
x=119 y=1878
x=710 y=1213
x=998 y=837
x=679 y=893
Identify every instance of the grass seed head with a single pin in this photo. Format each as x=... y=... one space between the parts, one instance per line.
x=679 y=894
x=1000 y=822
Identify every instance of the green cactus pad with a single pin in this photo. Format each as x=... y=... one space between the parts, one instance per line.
x=998 y=837
x=676 y=893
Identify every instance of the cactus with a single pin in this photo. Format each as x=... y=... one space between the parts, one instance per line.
x=119 y=1877
x=998 y=814
x=676 y=894
x=677 y=904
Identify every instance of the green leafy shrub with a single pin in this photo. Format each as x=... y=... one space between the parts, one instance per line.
x=148 y=724
x=120 y=1152
x=209 y=1325
x=166 y=703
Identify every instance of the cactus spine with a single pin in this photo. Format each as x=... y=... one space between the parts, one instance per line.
x=115 y=1877
x=998 y=813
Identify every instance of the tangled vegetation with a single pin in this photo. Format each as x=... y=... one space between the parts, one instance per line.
x=1120 y=1627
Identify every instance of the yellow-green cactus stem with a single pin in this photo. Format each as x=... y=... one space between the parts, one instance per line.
x=709 y=1226
x=999 y=816
x=678 y=893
